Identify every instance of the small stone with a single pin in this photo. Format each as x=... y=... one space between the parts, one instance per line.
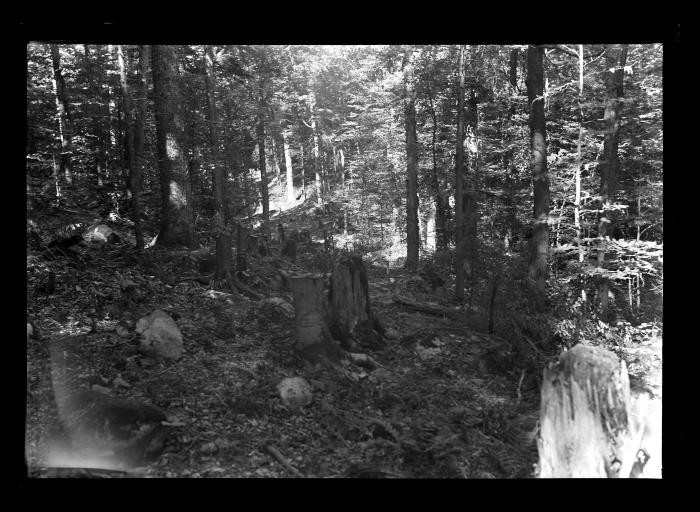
x=209 y=448
x=295 y=392
x=101 y=389
x=118 y=381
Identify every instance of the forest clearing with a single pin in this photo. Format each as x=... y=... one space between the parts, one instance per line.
x=351 y=261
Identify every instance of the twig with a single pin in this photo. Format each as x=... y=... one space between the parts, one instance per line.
x=520 y=383
x=272 y=450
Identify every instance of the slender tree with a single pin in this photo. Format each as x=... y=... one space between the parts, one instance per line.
x=260 y=131
x=616 y=58
x=142 y=106
x=64 y=118
x=288 y=168
x=539 y=243
x=223 y=236
x=175 y=225
x=440 y=213
x=460 y=220
x=412 y=231
x=93 y=67
x=134 y=169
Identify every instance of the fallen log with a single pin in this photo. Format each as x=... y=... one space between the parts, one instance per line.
x=430 y=309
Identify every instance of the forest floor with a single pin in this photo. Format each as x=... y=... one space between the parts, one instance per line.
x=442 y=403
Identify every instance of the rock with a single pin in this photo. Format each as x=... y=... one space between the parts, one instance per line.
x=277 y=308
x=161 y=336
x=295 y=392
x=99 y=233
x=109 y=431
x=118 y=381
x=101 y=389
x=426 y=352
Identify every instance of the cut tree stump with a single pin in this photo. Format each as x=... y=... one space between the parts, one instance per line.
x=351 y=318
x=586 y=426
x=313 y=338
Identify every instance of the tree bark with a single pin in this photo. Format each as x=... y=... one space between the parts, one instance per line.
x=134 y=169
x=442 y=236
x=460 y=220
x=539 y=244
x=288 y=169
x=351 y=318
x=241 y=248
x=260 y=130
x=142 y=108
x=616 y=58
x=175 y=225
x=64 y=118
x=223 y=236
x=314 y=341
x=317 y=153
x=96 y=111
x=412 y=231
x=586 y=426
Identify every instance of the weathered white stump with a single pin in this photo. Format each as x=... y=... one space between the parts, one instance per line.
x=585 y=417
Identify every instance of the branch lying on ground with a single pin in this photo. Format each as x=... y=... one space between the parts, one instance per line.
x=272 y=450
x=431 y=309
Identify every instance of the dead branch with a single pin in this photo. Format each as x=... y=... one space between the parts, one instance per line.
x=272 y=450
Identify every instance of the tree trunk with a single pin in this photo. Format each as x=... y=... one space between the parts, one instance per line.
x=142 y=109
x=303 y=174
x=260 y=129
x=223 y=237
x=513 y=75
x=460 y=220
x=317 y=157
x=440 y=217
x=539 y=244
x=175 y=225
x=64 y=120
x=289 y=172
x=96 y=111
x=351 y=319
x=616 y=58
x=134 y=169
x=314 y=341
x=586 y=423
x=342 y=167
x=412 y=231
x=241 y=248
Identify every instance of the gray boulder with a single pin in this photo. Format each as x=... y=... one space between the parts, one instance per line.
x=160 y=336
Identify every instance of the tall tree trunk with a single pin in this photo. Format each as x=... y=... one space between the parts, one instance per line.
x=341 y=156
x=64 y=120
x=440 y=217
x=289 y=171
x=223 y=235
x=142 y=108
x=539 y=244
x=175 y=225
x=134 y=169
x=260 y=129
x=513 y=75
x=275 y=160
x=460 y=220
x=96 y=111
x=616 y=58
x=317 y=158
x=303 y=174
x=412 y=231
